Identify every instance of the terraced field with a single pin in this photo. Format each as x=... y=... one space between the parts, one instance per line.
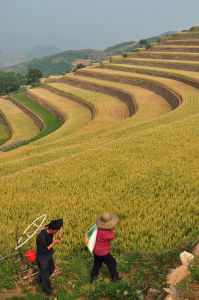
x=129 y=144
x=22 y=127
x=4 y=136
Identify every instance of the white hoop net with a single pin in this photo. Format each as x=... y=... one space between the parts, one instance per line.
x=28 y=235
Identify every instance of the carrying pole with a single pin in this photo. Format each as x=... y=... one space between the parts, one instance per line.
x=31 y=232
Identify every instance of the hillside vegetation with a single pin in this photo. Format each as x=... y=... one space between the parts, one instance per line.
x=128 y=144
x=66 y=61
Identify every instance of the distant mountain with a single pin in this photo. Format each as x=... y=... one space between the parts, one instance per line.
x=10 y=58
x=129 y=46
x=59 y=63
x=41 y=51
x=65 y=61
x=120 y=48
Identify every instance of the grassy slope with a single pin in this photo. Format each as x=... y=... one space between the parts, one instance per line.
x=58 y=63
x=140 y=272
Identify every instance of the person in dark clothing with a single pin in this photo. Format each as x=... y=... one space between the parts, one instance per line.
x=102 y=247
x=45 y=252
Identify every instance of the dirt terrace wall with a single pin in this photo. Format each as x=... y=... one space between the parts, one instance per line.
x=182 y=43
x=13 y=144
x=36 y=119
x=172 y=98
x=47 y=106
x=176 y=49
x=177 y=66
x=185 y=36
x=121 y=95
x=171 y=56
x=188 y=81
x=7 y=124
x=86 y=104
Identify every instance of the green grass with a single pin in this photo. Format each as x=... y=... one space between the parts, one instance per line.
x=51 y=123
x=6 y=274
x=3 y=134
x=139 y=272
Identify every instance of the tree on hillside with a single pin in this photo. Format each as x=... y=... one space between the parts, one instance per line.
x=79 y=66
x=124 y=55
x=143 y=42
x=10 y=82
x=148 y=46
x=33 y=76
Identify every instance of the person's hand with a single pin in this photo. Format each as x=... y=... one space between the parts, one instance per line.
x=55 y=242
x=59 y=235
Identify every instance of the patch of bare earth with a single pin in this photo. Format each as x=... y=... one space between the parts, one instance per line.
x=195 y=291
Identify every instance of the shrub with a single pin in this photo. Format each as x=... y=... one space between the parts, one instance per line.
x=194 y=268
x=148 y=46
x=124 y=55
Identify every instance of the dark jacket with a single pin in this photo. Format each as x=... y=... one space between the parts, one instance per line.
x=44 y=239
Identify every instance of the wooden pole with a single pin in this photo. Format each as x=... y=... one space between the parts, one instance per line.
x=30 y=232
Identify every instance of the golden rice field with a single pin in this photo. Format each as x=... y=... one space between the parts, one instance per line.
x=143 y=167
x=186 y=74
x=22 y=125
x=156 y=107
x=169 y=62
x=108 y=109
x=76 y=116
x=3 y=133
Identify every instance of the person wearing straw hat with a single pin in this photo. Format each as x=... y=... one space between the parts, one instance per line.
x=106 y=222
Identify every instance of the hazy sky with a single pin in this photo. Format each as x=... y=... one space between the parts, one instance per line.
x=77 y=24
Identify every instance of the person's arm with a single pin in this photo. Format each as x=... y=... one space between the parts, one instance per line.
x=59 y=234
x=109 y=234
x=55 y=242
x=42 y=244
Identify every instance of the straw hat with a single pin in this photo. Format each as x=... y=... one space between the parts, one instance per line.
x=107 y=220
